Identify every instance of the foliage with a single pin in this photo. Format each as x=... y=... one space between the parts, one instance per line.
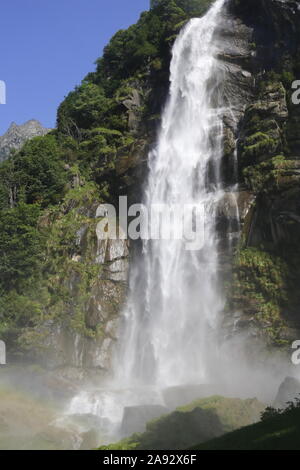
x=34 y=175
x=21 y=244
x=192 y=7
x=206 y=417
x=83 y=108
x=258 y=145
x=260 y=288
x=277 y=433
x=271 y=412
x=48 y=188
x=140 y=54
x=278 y=430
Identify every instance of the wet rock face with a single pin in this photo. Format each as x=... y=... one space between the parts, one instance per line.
x=16 y=136
x=262 y=136
x=268 y=154
x=84 y=333
x=238 y=85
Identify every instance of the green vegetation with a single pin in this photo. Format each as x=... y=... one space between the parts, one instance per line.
x=259 y=144
x=265 y=270
x=278 y=430
x=135 y=59
x=195 y=422
x=20 y=244
x=50 y=188
x=271 y=412
x=45 y=273
x=260 y=290
x=263 y=136
x=266 y=176
x=192 y=7
x=35 y=175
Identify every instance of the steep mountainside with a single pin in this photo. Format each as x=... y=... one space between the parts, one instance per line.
x=16 y=136
x=61 y=287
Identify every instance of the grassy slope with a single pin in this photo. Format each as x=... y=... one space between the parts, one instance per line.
x=279 y=433
x=197 y=422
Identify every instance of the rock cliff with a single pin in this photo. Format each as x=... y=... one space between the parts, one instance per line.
x=264 y=294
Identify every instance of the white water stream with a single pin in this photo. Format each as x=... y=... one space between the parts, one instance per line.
x=174 y=301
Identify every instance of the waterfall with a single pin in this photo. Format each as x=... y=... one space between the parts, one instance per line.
x=169 y=333
x=174 y=301
x=172 y=346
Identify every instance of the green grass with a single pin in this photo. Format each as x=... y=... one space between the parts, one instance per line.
x=279 y=433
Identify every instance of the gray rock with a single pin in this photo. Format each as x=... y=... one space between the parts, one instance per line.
x=117 y=249
x=288 y=391
x=118 y=270
x=16 y=136
x=181 y=395
x=136 y=417
x=133 y=104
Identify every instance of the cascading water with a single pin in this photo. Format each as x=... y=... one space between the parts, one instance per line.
x=174 y=301
x=171 y=323
x=168 y=336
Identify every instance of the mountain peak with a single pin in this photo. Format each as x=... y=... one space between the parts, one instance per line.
x=17 y=135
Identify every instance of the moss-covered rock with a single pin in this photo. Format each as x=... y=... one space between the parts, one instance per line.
x=212 y=416
x=273 y=176
x=79 y=292
x=260 y=292
x=268 y=157
x=262 y=136
x=293 y=134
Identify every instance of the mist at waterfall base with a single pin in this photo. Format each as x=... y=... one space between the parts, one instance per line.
x=172 y=346
x=171 y=340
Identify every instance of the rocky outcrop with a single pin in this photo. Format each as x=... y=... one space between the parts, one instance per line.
x=288 y=392
x=16 y=136
x=135 y=417
x=263 y=298
x=181 y=395
x=86 y=287
x=203 y=419
x=238 y=91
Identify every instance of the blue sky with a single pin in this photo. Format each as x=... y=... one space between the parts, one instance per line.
x=48 y=46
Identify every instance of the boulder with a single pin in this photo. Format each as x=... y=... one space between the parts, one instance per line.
x=136 y=417
x=288 y=391
x=180 y=395
x=192 y=424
